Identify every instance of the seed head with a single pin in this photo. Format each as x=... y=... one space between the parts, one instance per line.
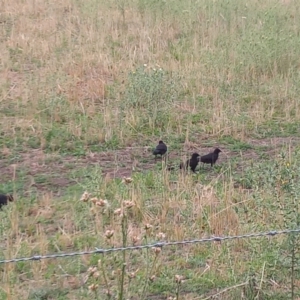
x=109 y=233
x=157 y=250
x=85 y=196
x=135 y=239
x=94 y=200
x=102 y=203
x=92 y=270
x=132 y=274
x=161 y=236
x=127 y=180
x=118 y=212
x=93 y=287
x=128 y=204
x=99 y=263
x=148 y=226
x=178 y=278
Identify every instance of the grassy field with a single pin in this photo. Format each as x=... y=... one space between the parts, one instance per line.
x=87 y=88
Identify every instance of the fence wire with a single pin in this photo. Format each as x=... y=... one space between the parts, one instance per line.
x=147 y=246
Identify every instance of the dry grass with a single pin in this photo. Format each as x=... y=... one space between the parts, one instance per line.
x=87 y=86
x=60 y=60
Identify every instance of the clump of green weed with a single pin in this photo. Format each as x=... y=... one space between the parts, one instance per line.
x=150 y=96
x=47 y=293
x=276 y=193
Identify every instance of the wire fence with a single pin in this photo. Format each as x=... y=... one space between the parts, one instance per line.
x=147 y=246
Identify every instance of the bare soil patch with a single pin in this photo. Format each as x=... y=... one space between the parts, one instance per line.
x=55 y=169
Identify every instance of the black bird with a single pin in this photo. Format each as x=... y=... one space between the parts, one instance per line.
x=192 y=162
x=211 y=158
x=4 y=199
x=161 y=149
